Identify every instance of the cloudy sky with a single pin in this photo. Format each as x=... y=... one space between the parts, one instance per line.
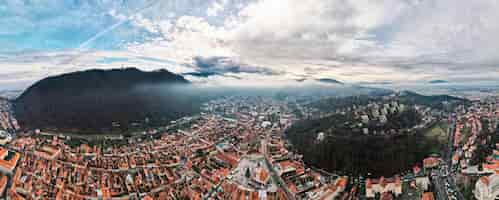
x=251 y=42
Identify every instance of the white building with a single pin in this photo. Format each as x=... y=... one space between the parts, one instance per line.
x=487 y=187
x=320 y=136
x=383 y=119
x=5 y=137
x=365 y=119
x=375 y=112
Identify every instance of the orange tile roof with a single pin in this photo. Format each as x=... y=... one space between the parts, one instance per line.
x=3 y=152
x=231 y=160
x=342 y=182
x=106 y=194
x=253 y=195
x=484 y=180
x=3 y=183
x=494 y=166
x=12 y=194
x=430 y=162
x=263 y=175
x=10 y=164
x=369 y=183
x=147 y=197
x=292 y=187
x=428 y=196
x=285 y=164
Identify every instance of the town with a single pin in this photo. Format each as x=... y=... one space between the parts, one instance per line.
x=237 y=149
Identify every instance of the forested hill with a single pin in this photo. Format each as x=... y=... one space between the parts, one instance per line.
x=434 y=101
x=94 y=99
x=405 y=97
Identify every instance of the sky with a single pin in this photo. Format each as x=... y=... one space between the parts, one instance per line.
x=254 y=42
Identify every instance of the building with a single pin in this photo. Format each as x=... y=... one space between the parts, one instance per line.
x=430 y=162
x=48 y=152
x=365 y=119
x=321 y=136
x=455 y=159
x=427 y=196
x=261 y=176
x=375 y=112
x=3 y=184
x=8 y=160
x=5 y=137
x=383 y=118
x=487 y=187
x=383 y=185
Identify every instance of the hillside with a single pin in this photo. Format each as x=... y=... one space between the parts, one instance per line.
x=104 y=99
x=338 y=141
x=434 y=101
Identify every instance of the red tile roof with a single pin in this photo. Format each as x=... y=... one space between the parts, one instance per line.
x=428 y=196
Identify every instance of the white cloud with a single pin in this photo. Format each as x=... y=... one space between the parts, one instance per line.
x=350 y=40
x=216 y=7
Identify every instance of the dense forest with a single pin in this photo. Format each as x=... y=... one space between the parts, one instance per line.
x=346 y=149
x=360 y=154
x=380 y=156
x=98 y=100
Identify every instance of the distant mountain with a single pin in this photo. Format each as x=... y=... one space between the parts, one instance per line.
x=104 y=99
x=435 y=101
x=10 y=94
x=201 y=74
x=437 y=81
x=329 y=80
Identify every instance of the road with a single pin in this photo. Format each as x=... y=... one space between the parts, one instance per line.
x=444 y=179
x=273 y=172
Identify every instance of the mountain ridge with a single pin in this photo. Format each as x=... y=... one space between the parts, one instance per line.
x=95 y=99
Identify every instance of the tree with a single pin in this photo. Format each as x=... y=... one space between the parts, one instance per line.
x=248 y=173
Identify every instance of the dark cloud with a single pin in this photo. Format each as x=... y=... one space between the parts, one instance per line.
x=201 y=74
x=222 y=66
x=329 y=80
x=375 y=83
x=438 y=81
x=208 y=74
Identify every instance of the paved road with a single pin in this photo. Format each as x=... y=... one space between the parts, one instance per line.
x=444 y=178
x=273 y=172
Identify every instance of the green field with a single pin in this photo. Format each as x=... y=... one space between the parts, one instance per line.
x=438 y=131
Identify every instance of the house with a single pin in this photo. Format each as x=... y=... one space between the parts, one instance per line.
x=3 y=184
x=48 y=152
x=427 y=196
x=430 y=162
x=383 y=185
x=365 y=119
x=487 y=187
x=261 y=176
x=8 y=160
